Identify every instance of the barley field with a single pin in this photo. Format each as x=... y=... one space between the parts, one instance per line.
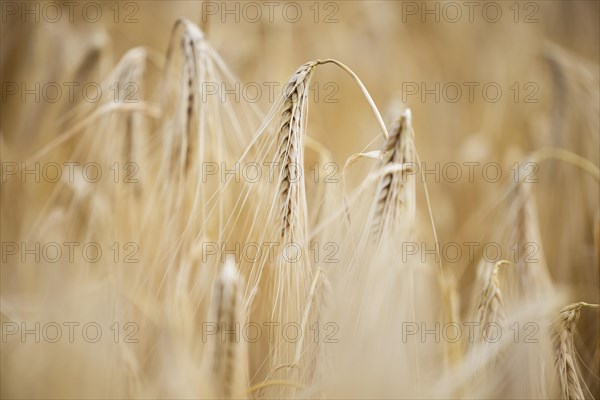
x=300 y=200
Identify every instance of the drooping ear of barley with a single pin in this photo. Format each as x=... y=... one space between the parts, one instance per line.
x=293 y=279
x=491 y=310
x=394 y=203
x=199 y=129
x=565 y=352
x=290 y=151
x=491 y=303
x=278 y=290
x=184 y=73
x=228 y=350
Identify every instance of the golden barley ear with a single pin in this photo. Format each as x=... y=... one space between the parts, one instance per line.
x=395 y=196
x=491 y=308
x=185 y=101
x=228 y=353
x=289 y=147
x=565 y=352
x=491 y=303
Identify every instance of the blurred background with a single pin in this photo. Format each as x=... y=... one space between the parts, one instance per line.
x=486 y=82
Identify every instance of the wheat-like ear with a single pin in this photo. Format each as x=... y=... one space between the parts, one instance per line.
x=228 y=358
x=566 y=361
x=289 y=148
x=491 y=304
x=182 y=147
x=395 y=196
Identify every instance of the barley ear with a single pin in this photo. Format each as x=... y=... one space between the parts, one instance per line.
x=394 y=205
x=228 y=355
x=289 y=148
x=565 y=353
x=491 y=303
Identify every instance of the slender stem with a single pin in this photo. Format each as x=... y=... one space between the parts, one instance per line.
x=363 y=90
x=556 y=153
